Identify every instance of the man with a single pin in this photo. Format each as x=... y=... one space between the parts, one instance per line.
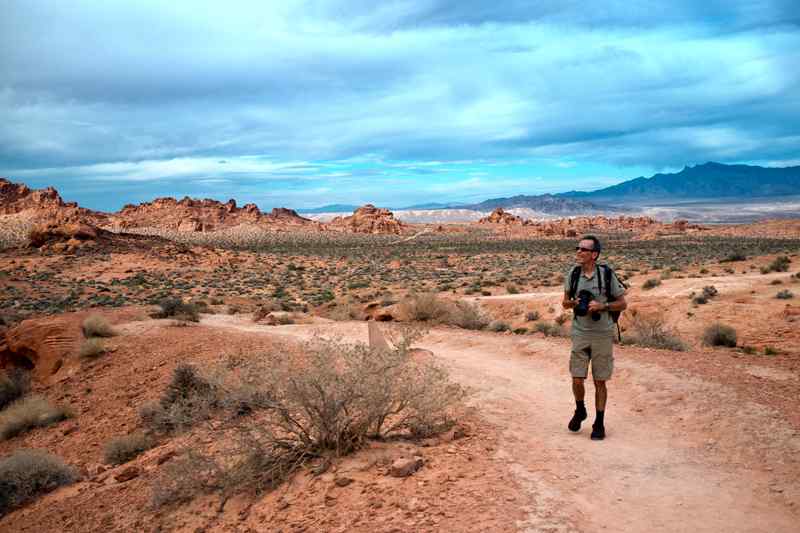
x=592 y=336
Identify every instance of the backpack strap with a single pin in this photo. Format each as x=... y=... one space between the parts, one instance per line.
x=574 y=276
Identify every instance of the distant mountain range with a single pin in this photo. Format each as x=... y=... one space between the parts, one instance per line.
x=700 y=182
x=710 y=180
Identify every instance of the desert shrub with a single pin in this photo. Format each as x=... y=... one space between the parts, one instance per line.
x=776 y=282
x=520 y=331
x=91 y=348
x=122 y=449
x=424 y=307
x=651 y=283
x=328 y=402
x=532 y=316
x=347 y=310
x=549 y=329
x=97 y=326
x=769 y=350
x=177 y=308
x=651 y=331
x=498 y=326
x=512 y=289
x=187 y=399
x=749 y=350
x=14 y=384
x=719 y=334
x=27 y=473
x=700 y=300
x=779 y=264
x=785 y=294
x=709 y=291
x=562 y=319
x=466 y=315
x=734 y=256
x=28 y=413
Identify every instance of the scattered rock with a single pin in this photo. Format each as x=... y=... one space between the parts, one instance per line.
x=127 y=474
x=342 y=481
x=404 y=467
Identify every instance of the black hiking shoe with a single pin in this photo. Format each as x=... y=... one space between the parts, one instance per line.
x=577 y=418
x=598 y=432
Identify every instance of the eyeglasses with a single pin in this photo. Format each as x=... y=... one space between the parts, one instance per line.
x=582 y=249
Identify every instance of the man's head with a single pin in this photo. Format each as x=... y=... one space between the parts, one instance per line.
x=588 y=249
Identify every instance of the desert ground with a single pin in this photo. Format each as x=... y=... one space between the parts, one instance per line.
x=703 y=433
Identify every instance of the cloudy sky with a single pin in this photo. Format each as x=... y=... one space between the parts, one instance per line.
x=305 y=103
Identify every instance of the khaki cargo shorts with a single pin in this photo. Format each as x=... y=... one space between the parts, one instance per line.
x=598 y=350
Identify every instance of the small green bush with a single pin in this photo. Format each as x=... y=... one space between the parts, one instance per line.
x=498 y=326
x=769 y=350
x=97 y=326
x=520 y=331
x=27 y=473
x=779 y=264
x=28 y=413
x=549 y=329
x=700 y=300
x=512 y=289
x=785 y=294
x=719 y=334
x=122 y=449
x=734 y=256
x=651 y=283
x=14 y=384
x=709 y=291
x=176 y=308
x=532 y=316
x=187 y=399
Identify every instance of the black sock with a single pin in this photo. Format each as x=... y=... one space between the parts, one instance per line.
x=580 y=406
x=599 y=420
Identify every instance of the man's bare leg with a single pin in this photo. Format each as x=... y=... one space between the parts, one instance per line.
x=580 y=408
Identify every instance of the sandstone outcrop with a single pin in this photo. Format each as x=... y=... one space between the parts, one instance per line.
x=368 y=219
x=65 y=237
x=43 y=205
x=191 y=215
x=42 y=345
x=499 y=216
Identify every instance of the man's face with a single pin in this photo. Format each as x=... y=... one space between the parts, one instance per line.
x=585 y=252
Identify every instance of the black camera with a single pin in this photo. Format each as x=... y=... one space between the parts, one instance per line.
x=582 y=307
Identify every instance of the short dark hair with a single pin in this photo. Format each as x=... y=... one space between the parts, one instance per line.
x=596 y=246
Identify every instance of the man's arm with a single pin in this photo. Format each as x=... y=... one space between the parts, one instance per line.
x=617 y=305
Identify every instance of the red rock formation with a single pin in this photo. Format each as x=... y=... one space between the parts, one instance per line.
x=498 y=216
x=43 y=345
x=368 y=219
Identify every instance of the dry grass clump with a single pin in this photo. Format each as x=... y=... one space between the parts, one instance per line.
x=467 y=316
x=178 y=309
x=779 y=264
x=187 y=399
x=28 y=413
x=651 y=331
x=424 y=307
x=549 y=329
x=27 y=473
x=532 y=316
x=14 y=384
x=282 y=411
x=91 y=348
x=97 y=326
x=346 y=310
x=499 y=326
x=651 y=283
x=785 y=294
x=122 y=449
x=719 y=334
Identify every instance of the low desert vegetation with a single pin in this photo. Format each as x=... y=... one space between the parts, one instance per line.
x=28 y=413
x=97 y=326
x=651 y=283
x=91 y=348
x=429 y=307
x=532 y=316
x=785 y=294
x=779 y=264
x=187 y=399
x=652 y=332
x=282 y=411
x=719 y=334
x=549 y=329
x=26 y=474
x=499 y=326
x=122 y=449
x=14 y=384
x=177 y=309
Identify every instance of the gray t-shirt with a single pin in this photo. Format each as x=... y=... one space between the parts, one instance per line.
x=584 y=325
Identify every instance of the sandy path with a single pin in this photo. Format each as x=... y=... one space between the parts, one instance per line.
x=682 y=454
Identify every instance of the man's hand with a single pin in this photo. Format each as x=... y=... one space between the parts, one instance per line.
x=566 y=303
x=597 y=307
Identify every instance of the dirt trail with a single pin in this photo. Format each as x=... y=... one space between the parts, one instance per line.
x=681 y=453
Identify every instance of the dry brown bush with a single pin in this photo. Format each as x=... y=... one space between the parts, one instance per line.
x=28 y=413
x=26 y=473
x=424 y=307
x=14 y=384
x=187 y=399
x=91 y=348
x=97 y=326
x=282 y=411
x=651 y=331
x=122 y=449
x=467 y=315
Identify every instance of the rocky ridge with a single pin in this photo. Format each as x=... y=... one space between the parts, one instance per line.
x=369 y=219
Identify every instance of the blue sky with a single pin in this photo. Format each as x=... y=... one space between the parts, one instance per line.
x=303 y=103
